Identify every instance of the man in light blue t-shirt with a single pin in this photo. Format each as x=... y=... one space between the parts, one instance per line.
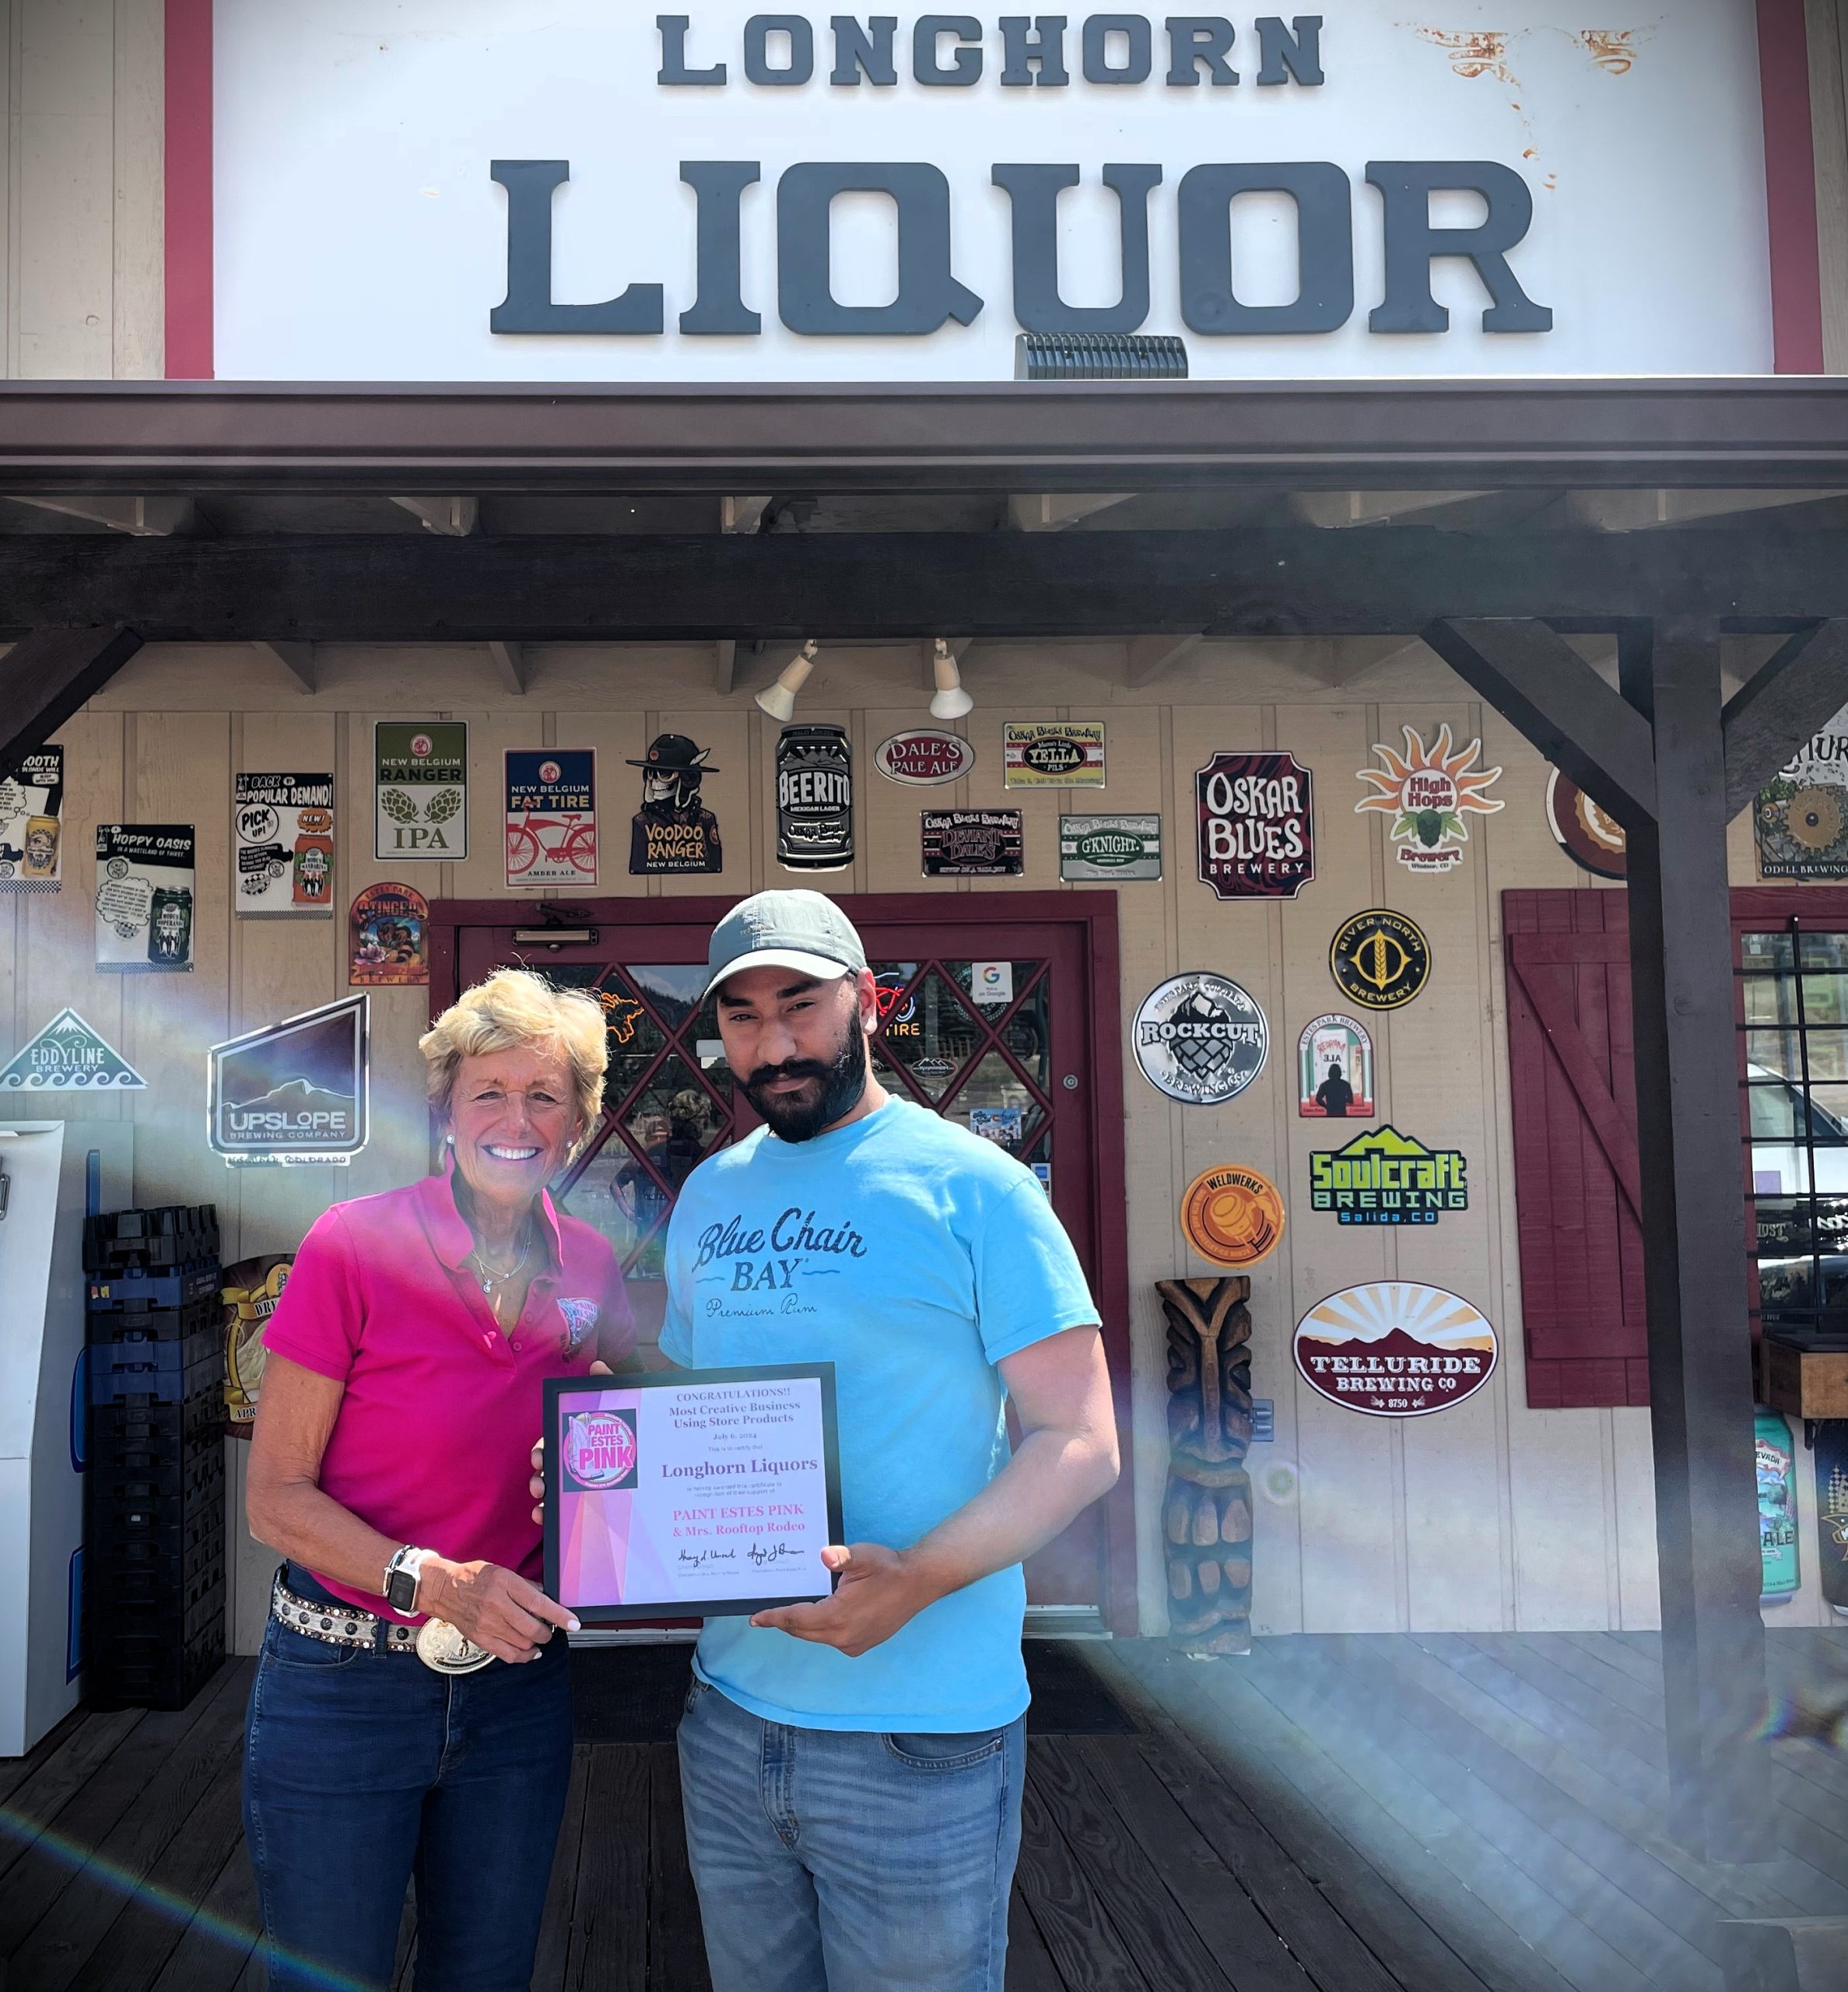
x=852 y=1769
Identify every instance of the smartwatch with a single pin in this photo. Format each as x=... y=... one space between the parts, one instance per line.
x=401 y=1574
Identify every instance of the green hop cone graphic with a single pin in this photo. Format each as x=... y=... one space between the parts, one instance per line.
x=1430 y=828
x=397 y=805
x=443 y=806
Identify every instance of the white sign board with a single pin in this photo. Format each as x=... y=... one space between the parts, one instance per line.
x=726 y=196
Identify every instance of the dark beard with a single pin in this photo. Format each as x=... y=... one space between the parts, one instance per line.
x=792 y=1117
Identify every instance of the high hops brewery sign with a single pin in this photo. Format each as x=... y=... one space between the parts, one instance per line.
x=589 y=192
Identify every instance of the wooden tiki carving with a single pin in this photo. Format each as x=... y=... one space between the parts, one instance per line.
x=1206 y=1513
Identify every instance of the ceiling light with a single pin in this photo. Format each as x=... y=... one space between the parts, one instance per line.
x=780 y=700
x=951 y=702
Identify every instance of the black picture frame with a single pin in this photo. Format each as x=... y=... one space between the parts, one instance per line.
x=557 y=1388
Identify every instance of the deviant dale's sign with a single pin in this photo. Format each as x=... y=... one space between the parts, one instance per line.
x=459 y=189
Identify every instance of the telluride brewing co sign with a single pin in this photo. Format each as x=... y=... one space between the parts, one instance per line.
x=501 y=192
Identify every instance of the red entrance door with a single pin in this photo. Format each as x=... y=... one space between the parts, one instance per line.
x=1002 y=1018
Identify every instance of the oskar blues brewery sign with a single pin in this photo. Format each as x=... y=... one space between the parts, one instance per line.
x=1257 y=823
x=730 y=194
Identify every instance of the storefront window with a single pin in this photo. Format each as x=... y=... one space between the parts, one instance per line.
x=1795 y=1009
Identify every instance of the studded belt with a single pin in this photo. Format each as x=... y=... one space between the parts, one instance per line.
x=338 y=1625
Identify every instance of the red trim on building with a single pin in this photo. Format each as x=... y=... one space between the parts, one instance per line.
x=189 y=315
x=1791 y=187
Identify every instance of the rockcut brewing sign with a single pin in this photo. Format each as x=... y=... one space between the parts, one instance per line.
x=465 y=190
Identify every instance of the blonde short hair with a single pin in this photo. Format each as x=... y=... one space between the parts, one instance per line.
x=512 y=1009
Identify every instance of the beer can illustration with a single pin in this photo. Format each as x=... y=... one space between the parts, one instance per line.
x=170 y=926
x=815 y=799
x=40 y=860
x=1776 y=1463
x=1831 y=1510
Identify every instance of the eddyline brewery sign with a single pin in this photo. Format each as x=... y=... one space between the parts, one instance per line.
x=726 y=194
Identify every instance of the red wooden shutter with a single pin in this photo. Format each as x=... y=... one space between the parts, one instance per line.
x=1576 y=1177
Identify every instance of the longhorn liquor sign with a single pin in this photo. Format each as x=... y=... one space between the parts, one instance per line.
x=582 y=191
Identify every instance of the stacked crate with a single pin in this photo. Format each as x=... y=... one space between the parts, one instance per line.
x=154 y=1557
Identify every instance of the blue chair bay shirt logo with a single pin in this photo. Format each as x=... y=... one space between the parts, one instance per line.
x=914 y=1257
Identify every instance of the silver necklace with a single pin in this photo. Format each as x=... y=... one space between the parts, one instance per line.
x=490 y=1282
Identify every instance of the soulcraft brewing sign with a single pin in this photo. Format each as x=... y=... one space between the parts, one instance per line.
x=726 y=194
x=1257 y=824
x=1395 y=1349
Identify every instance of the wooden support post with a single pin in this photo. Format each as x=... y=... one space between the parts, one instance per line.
x=1721 y=1777
x=46 y=676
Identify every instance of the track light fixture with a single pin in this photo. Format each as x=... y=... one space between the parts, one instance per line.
x=951 y=701
x=778 y=700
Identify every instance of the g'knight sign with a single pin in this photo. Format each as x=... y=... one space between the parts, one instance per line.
x=465 y=190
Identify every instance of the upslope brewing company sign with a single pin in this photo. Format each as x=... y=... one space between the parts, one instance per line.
x=1257 y=823
x=1385 y=1177
x=294 y=1092
x=697 y=187
x=1395 y=1349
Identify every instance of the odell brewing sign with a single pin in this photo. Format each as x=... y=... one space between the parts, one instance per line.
x=1395 y=1349
x=294 y=1092
x=815 y=799
x=1256 y=826
x=924 y=758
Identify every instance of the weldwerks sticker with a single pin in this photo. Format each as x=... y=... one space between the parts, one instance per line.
x=551 y=816
x=1103 y=849
x=1334 y=1057
x=1200 y=1039
x=923 y=758
x=420 y=773
x=1056 y=753
x=1256 y=826
x=1591 y=837
x=1385 y=1177
x=1394 y=1349
x=67 y=1056
x=144 y=897
x=31 y=809
x=972 y=844
x=1232 y=1215
x=1429 y=794
x=1379 y=958
x=282 y=841
x=294 y=1092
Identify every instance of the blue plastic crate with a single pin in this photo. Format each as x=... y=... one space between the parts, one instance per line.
x=176 y=1288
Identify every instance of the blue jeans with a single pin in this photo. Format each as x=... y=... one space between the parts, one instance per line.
x=364 y=1770
x=847 y=1860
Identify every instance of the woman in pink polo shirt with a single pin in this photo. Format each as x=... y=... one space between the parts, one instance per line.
x=389 y=1468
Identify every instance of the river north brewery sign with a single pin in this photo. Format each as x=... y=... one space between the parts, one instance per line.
x=585 y=192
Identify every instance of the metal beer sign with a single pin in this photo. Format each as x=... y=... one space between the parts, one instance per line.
x=1065 y=753
x=294 y=1092
x=1385 y=1177
x=1103 y=849
x=815 y=799
x=1256 y=826
x=924 y=758
x=420 y=775
x=1395 y=1349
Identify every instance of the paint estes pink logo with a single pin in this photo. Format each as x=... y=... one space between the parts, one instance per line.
x=600 y=1449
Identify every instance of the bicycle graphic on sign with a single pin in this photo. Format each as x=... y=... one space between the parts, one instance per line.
x=562 y=849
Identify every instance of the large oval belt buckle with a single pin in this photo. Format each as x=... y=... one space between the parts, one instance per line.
x=447 y=1649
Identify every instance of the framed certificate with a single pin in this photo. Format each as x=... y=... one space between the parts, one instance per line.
x=706 y=1492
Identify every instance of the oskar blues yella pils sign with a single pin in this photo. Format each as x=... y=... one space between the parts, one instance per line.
x=1385 y=1177
x=1052 y=753
x=1395 y=1349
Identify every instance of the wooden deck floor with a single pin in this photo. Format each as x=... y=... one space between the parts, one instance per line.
x=1412 y=1814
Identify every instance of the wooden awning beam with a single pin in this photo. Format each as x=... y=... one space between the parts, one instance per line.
x=1793 y=695
x=47 y=676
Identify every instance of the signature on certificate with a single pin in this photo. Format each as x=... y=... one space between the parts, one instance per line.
x=774 y=1553
x=697 y=1559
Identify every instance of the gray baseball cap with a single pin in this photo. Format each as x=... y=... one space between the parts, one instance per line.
x=798 y=929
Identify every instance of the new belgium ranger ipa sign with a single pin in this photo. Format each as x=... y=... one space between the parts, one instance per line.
x=420 y=771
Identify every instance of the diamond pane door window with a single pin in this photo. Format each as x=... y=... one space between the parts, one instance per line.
x=996 y=1044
